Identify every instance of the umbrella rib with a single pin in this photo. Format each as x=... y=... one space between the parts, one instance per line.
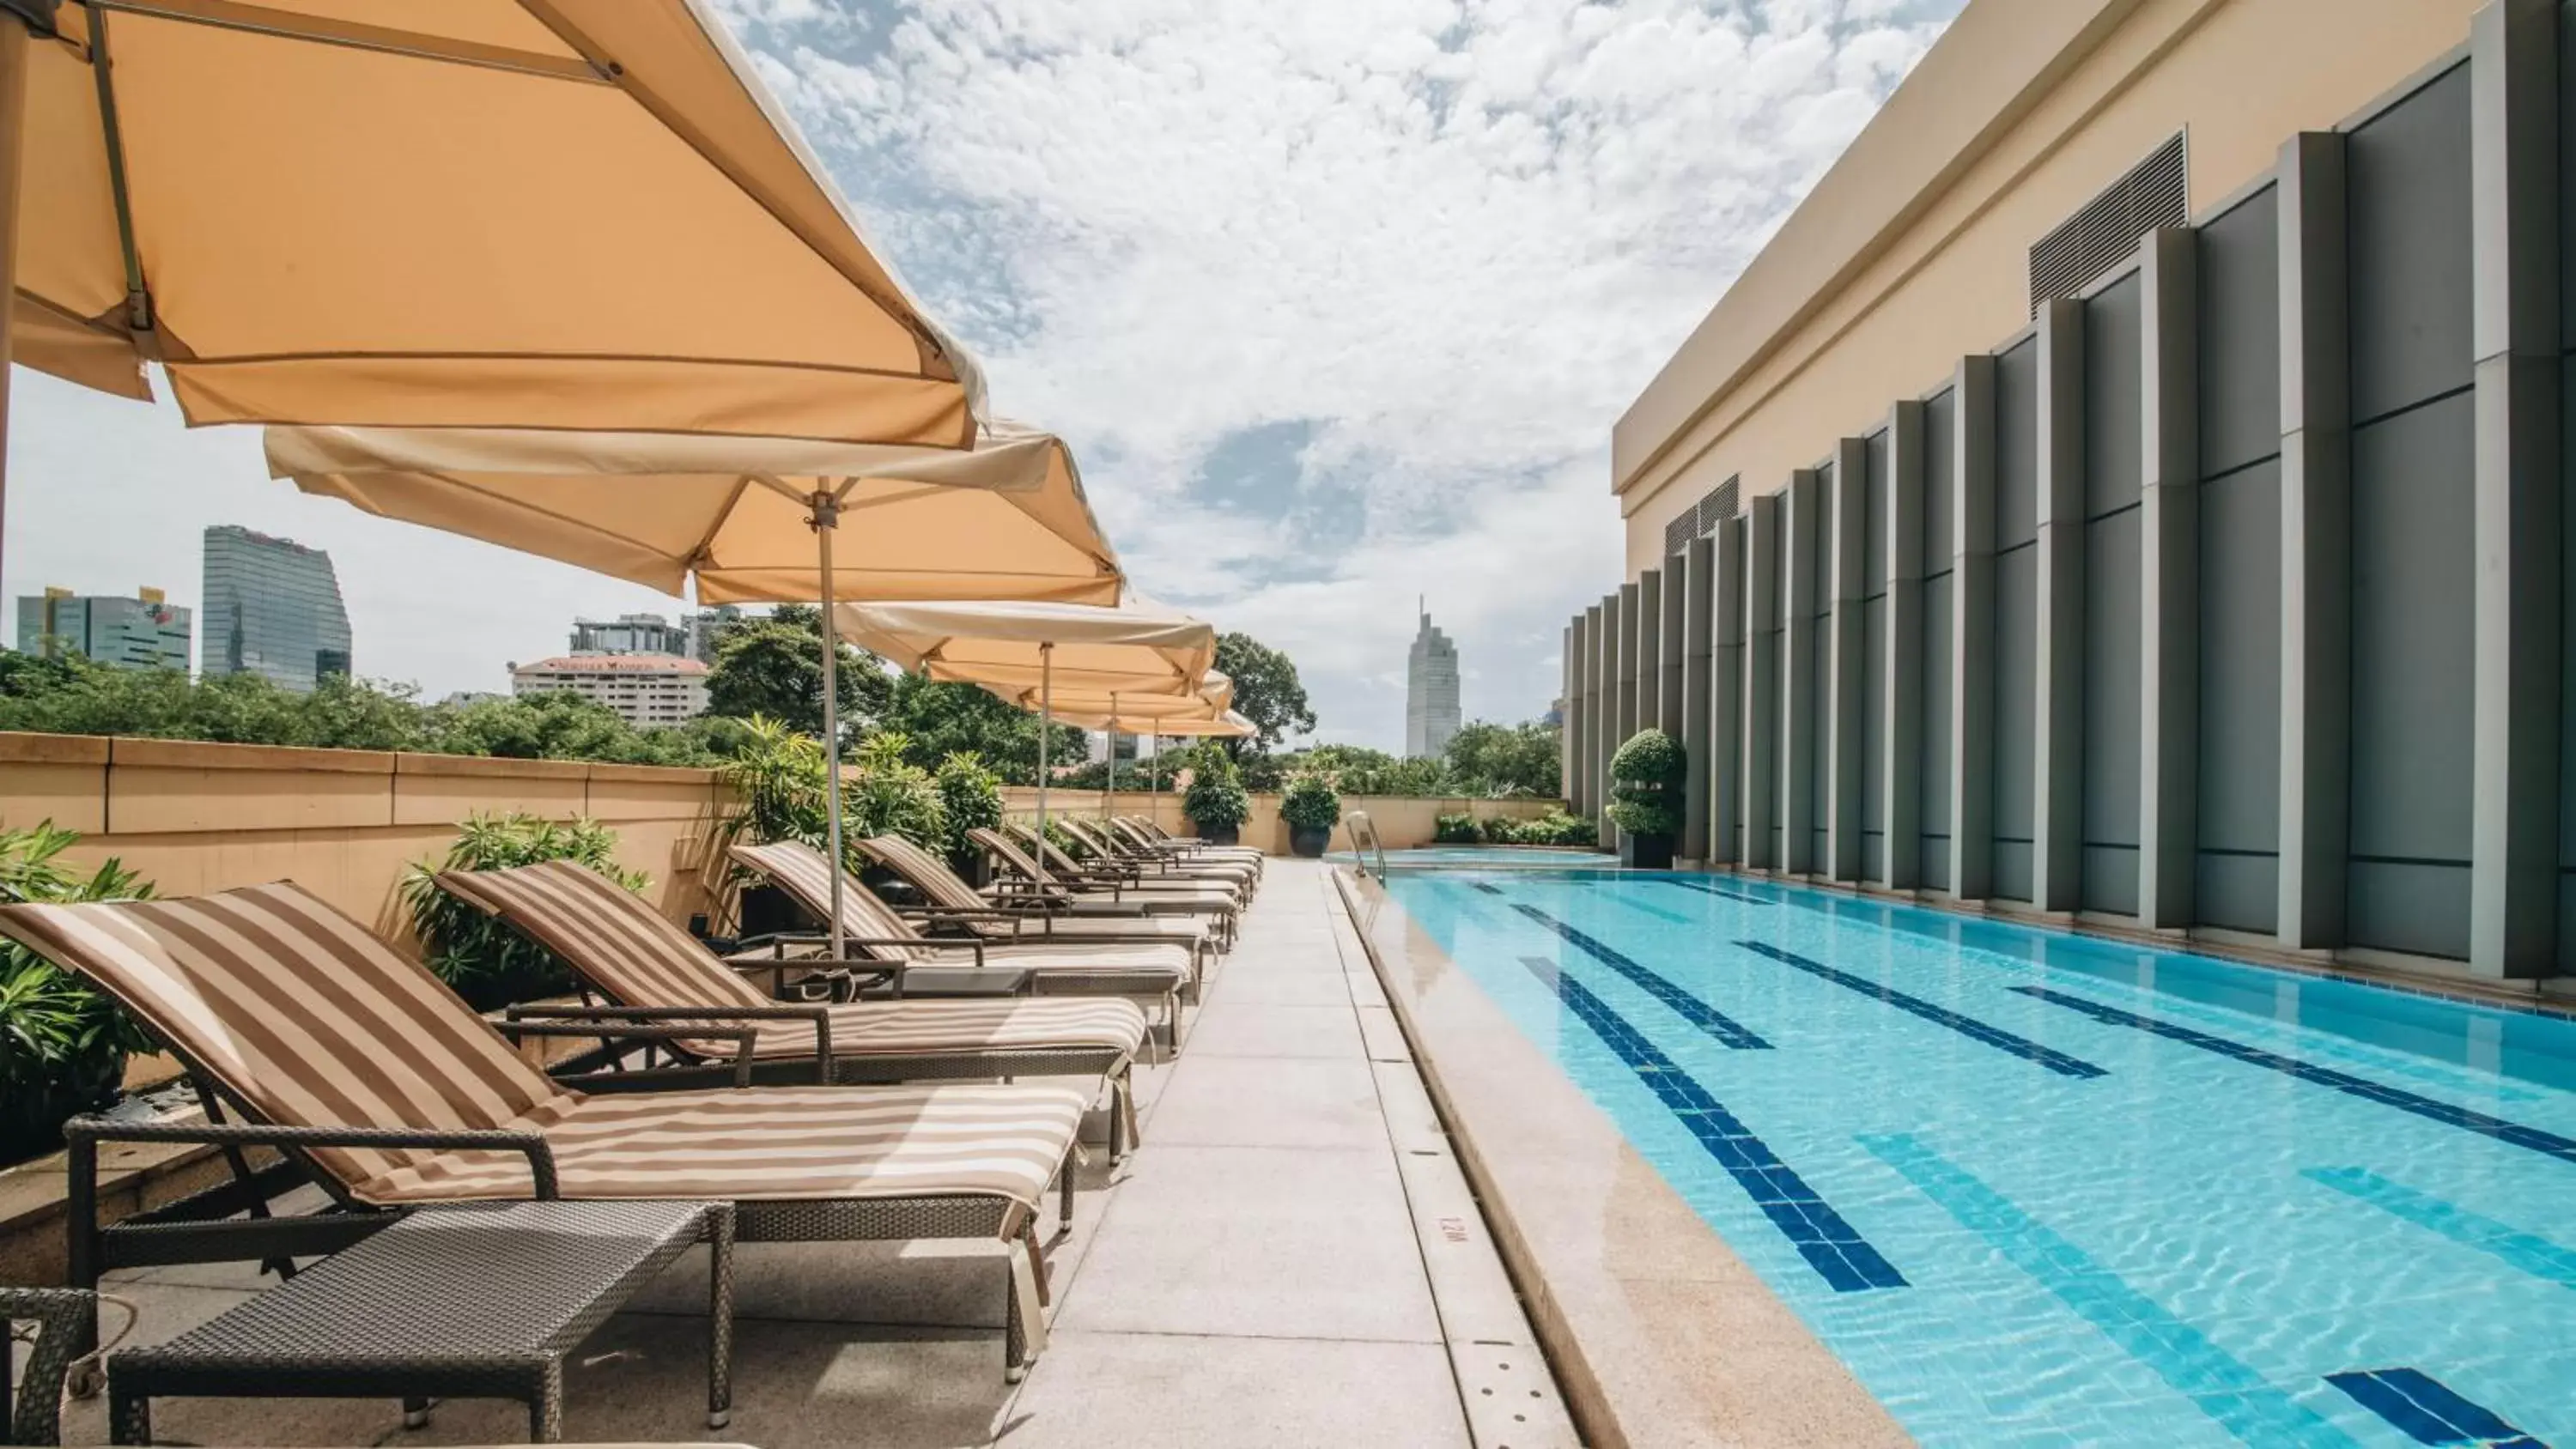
x=288 y=25
x=532 y=510
x=707 y=540
x=138 y=297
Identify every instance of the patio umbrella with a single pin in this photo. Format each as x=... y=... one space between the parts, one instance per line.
x=580 y=214
x=1203 y=720
x=744 y=519
x=1014 y=647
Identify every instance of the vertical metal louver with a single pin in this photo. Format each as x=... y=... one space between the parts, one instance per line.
x=2105 y=233
x=1701 y=518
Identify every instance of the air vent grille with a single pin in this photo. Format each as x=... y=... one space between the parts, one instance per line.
x=1701 y=518
x=2155 y=193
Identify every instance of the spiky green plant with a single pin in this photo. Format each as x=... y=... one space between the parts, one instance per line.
x=63 y=1043
x=488 y=962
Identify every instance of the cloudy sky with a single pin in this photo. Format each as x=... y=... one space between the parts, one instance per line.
x=1337 y=300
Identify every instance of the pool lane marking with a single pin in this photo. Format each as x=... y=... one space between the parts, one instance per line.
x=2547 y=1143
x=2222 y=1385
x=1830 y=1245
x=1689 y=883
x=1491 y=890
x=2428 y=1410
x=2529 y=1252
x=1725 y=1030
x=1967 y=1026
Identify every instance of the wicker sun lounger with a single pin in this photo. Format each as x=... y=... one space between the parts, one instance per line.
x=1154 y=837
x=1132 y=877
x=650 y=969
x=1024 y=916
x=1216 y=904
x=1105 y=846
x=381 y=1086
x=1158 y=970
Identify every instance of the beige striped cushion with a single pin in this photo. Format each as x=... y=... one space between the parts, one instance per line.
x=927 y=873
x=896 y=1028
x=299 y=1010
x=1196 y=895
x=605 y=933
x=778 y=1143
x=801 y=871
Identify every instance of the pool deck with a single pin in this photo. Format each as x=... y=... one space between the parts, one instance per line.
x=1659 y=1332
x=1291 y=1259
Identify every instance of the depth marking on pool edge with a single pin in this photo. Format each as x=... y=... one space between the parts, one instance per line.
x=2547 y=1143
x=1830 y=1245
x=1722 y=1028
x=1967 y=1026
x=2428 y=1411
x=2220 y=1384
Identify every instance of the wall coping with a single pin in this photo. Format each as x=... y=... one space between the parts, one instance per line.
x=20 y=747
x=150 y=753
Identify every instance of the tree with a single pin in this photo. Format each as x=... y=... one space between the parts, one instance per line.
x=1266 y=692
x=774 y=667
x=939 y=719
x=1493 y=759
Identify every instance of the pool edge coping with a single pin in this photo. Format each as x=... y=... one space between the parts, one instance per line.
x=1606 y=1406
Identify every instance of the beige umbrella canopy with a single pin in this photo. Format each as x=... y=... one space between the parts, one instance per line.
x=1139 y=647
x=1008 y=520
x=481 y=213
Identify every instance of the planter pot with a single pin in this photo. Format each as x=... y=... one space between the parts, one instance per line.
x=1217 y=834
x=973 y=867
x=1645 y=852
x=1309 y=841
x=767 y=910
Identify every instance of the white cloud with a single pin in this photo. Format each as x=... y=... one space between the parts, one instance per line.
x=1395 y=265
x=1453 y=240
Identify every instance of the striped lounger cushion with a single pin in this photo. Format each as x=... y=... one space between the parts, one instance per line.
x=630 y=951
x=301 y=1013
x=934 y=879
x=801 y=871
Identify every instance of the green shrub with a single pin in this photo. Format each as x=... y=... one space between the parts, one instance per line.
x=1216 y=798
x=887 y=794
x=489 y=963
x=1554 y=828
x=1646 y=784
x=778 y=777
x=970 y=798
x=1310 y=804
x=63 y=1043
x=1458 y=830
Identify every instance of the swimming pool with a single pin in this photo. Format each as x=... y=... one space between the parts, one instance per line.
x=1485 y=857
x=2035 y=1188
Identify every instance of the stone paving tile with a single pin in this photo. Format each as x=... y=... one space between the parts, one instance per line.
x=1233 y=1028
x=1270 y=1102
x=1156 y=1391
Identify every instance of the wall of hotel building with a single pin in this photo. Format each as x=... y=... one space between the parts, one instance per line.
x=1956 y=268
x=2245 y=668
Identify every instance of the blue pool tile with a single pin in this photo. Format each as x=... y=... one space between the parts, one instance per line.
x=2529 y=1252
x=1689 y=882
x=1725 y=1030
x=2427 y=1410
x=1967 y=1026
x=2222 y=1387
x=2445 y=1112
x=1830 y=1245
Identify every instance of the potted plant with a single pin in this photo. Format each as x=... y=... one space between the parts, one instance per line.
x=62 y=1044
x=1215 y=802
x=1646 y=798
x=1311 y=809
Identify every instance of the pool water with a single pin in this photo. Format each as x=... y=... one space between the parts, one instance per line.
x=2035 y=1188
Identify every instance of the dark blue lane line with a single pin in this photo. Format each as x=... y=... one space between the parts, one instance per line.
x=1695 y=884
x=1967 y=1026
x=1725 y=1030
x=1830 y=1245
x=2426 y=1409
x=2548 y=1143
x=1491 y=890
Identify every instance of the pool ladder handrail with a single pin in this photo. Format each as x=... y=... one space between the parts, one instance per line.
x=1359 y=825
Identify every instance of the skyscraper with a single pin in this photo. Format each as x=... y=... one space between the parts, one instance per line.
x=144 y=632
x=1430 y=693
x=272 y=608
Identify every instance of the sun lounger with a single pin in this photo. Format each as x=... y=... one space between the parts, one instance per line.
x=651 y=970
x=1024 y=916
x=1215 y=903
x=1154 y=837
x=1104 y=845
x=381 y=1086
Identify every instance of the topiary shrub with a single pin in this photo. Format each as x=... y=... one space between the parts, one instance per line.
x=490 y=964
x=63 y=1043
x=1459 y=830
x=1554 y=828
x=1646 y=785
x=1216 y=801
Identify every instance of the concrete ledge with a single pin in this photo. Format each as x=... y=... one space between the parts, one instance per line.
x=1658 y=1332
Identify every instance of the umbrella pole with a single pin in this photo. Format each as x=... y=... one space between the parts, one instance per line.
x=827 y=519
x=1109 y=791
x=14 y=23
x=1046 y=726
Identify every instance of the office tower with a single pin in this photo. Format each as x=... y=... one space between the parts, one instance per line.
x=272 y=608
x=143 y=632
x=1430 y=693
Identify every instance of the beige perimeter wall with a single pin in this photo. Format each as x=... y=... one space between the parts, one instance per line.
x=1401 y=822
